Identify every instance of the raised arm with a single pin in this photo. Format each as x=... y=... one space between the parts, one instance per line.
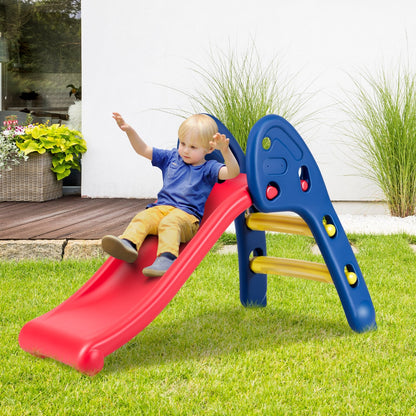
x=231 y=168
x=136 y=141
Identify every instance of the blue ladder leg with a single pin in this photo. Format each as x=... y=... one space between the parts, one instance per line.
x=253 y=286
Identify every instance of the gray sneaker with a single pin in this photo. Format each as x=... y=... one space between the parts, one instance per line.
x=158 y=268
x=118 y=248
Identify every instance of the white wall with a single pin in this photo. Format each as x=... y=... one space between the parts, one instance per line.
x=130 y=47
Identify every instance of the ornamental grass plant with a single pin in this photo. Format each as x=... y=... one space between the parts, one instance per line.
x=383 y=113
x=240 y=88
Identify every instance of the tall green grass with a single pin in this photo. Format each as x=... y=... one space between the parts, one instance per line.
x=240 y=87
x=383 y=110
x=206 y=354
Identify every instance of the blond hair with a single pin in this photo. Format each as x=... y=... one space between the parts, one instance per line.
x=198 y=128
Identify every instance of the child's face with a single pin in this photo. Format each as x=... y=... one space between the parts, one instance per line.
x=191 y=151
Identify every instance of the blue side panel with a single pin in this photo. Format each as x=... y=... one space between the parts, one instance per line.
x=283 y=176
x=253 y=286
x=234 y=146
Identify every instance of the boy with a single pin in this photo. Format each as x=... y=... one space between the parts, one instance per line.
x=187 y=182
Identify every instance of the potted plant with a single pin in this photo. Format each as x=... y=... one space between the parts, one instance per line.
x=75 y=110
x=76 y=91
x=72 y=182
x=51 y=152
x=10 y=154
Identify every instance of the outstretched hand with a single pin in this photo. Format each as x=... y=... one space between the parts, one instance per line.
x=220 y=141
x=120 y=122
x=231 y=168
x=136 y=141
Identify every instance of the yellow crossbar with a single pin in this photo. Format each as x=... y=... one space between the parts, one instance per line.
x=282 y=223
x=290 y=267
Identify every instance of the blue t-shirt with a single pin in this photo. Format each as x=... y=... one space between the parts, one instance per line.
x=184 y=186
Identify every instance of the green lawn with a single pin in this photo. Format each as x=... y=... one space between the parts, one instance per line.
x=206 y=354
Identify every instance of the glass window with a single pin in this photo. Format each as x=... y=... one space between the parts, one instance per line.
x=40 y=54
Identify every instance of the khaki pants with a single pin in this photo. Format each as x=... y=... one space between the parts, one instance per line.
x=172 y=225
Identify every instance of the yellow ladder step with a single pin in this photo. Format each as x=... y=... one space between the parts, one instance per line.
x=282 y=223
x=290 y=267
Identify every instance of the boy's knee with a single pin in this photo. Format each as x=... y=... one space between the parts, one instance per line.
x=185 y=225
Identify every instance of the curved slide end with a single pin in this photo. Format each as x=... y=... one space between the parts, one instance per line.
x=90 y=361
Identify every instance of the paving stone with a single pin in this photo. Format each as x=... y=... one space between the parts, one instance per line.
x=83 y=249
x=228 y=249
x=31 y=249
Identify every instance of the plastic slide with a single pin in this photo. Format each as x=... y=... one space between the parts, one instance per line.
x=282 y=175
x=118 y=301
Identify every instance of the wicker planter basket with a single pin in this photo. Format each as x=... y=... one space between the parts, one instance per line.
x=32 y=180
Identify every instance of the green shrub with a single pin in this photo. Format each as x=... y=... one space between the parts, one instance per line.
x=65 y=145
